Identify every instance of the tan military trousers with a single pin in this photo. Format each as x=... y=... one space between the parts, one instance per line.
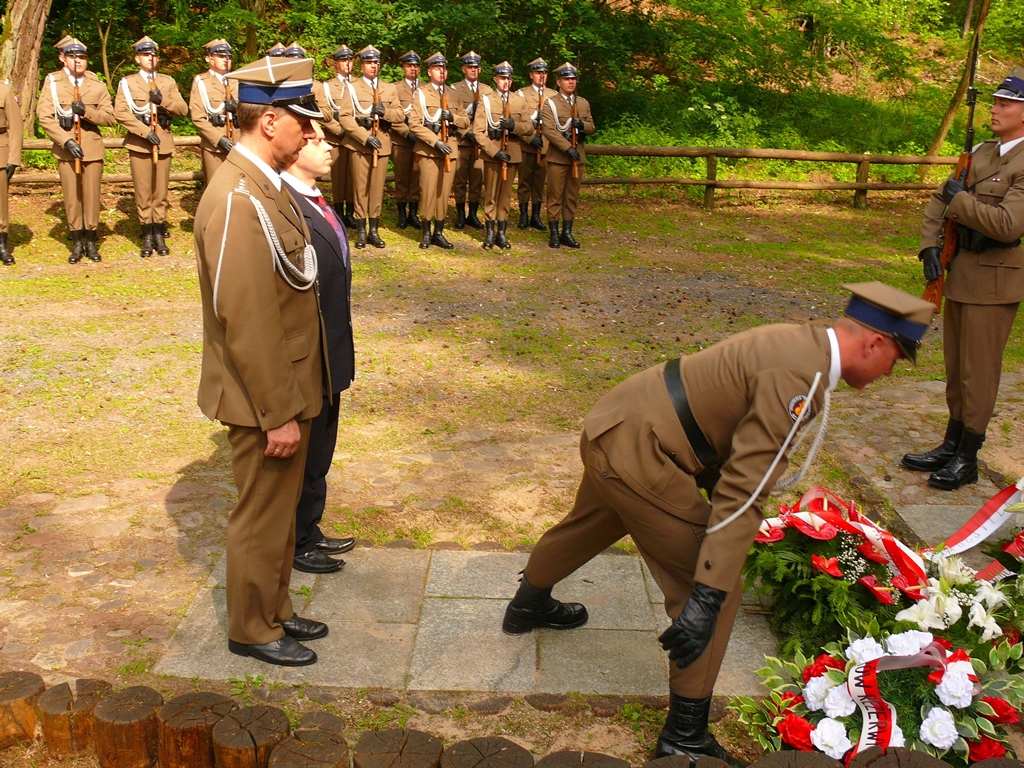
x=341 y=181
x=973 y=339
x=261 y=535
x=150 y=183
x=81 y=195
x=497 y=192
x=435 y=187
x=4 y=213
x=606 y=509
x=211 y=162
x=563 y=191
x=531 y=179
x=469 y=176
x=407 y=174
x=367 y=183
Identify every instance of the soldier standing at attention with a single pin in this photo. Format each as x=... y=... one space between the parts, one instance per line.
x=10 y=158
x=143 y=106
x=72 y=106
x=984 y=287
x=212 y=107
x=329 y=97
x=407 y=172
x=368 y=110
x=530 y=192
x=436 y=115
x=500 y=125
x=566 y=124
x=469 y=175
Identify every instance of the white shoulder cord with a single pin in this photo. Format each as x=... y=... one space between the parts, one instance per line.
x=135 y=108
x=330 y=99
x=487 y=111
x=554 y=114
x=59 y=111
x=205 y=98
x=778 y=457
x=436 y=117
x=356 y=106
x=812 y=454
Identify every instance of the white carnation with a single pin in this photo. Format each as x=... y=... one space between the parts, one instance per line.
x=909 y=643
x=864 y=650
x=955 y=690
x=897 y=739
x=815 y=691
x=839 y=703
x=830 y=737
x=938 y=729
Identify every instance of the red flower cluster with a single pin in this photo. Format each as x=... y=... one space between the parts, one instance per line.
x=791 y=699
x=882 y=594
x=829 y=566
x=985 y=749
x=1005 y=712
x=821 y=664
x=796 y=732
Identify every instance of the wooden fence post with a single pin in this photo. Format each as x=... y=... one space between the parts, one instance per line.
x=860 y=197
x=709 y=189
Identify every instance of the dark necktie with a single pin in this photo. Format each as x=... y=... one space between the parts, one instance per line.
x=336 y=225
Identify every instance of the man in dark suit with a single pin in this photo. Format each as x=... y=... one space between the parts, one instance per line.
x=329 y=239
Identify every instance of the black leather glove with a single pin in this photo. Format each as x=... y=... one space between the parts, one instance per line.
x=225 y=143
x=155 y=96
x=471 y=137
x=145 y=118
x=932 y=263
x=573 y=153
x=952 y=189
x=74 y=148
x=364 y=122
x=503 y=157
x=231 y=105
x=690 y=634
x=78 y=108
x=507 y=123
x=10 y=171
x=377 y=109
x=577 y=123
x=373 y=141
x=164 y=120
x=443 y=148
x=153 y=139
x=446 y=116
x=538 y=142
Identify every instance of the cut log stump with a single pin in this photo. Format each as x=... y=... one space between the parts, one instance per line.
x=795 y=759
x=125 y=728
x=681 y=761
x=185 y=727
x=876 y=757
x=66 y=717
x=318 y=742
x=486 y=752
x=397 y=748
x=575 y=759
x=19 y=692
x=246 y=737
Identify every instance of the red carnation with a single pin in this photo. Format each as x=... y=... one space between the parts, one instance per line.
x=1012 y=635
x=796 y=732
x=985 y=749
x=829 y=566
x=821 y=664
x=1005 y=712
x=791 y=699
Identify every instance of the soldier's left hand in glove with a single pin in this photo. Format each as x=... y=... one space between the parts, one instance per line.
x=155 y=96
x=952 y=189
x=538 y=142
x=932 y=263
x=231 y=105
x=507 y=123
x=78 y=108
x=503 y=157
x=373 y=142
x=573 y=153
x=153 y=139
x=377 y=109
x=578 y=124
x=690 y=634
x=10 y=171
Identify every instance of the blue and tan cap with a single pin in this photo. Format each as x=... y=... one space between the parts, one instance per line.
x=566 y=71
x=503 y=70
x=892 y=312
x=279 y=82
x=71 y=45
x=146 y=44
x=436 y=59
x=343 y=52
x=294 y=51
x=218 y=47
x=277 y=49
x=369 y=53
x=471 y=59
x=1012 y=87
x=409 y=57
x=538 y=65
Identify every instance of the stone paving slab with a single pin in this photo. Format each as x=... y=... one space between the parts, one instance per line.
x=624 y=662
x=378 y=585
x=475 y=574
x=358 y=655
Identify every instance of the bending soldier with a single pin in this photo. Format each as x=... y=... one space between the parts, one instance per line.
x=469 y=176
x=532 y=171
x=10 y=158
x=329 y=96
x=212 y=107
x=407 y=172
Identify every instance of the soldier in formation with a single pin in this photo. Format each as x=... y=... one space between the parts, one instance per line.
x=212 y=107
x=329 y=97
x=469 y=178
x=403 y=158
x=532 y=170
x=10 y=158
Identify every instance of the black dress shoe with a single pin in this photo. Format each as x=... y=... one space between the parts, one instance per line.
x=335 y=546
x=316 y=562
x=286 y=652
x=533 y=607
x=304 y=629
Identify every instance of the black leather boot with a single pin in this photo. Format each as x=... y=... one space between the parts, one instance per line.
x=686 y=732
x=146 y=249
x=567 y=239
x=553 y=241
x=372 y=237
x=535 y=221
x=77 y=247
x=534 y=608
x=403 y=220
x=502 y=238
x=460 y=215
x=438 y=238
x=361 y=236
x=939 y=457
x=349 y=219
x=472 y=218
x=489 y=236
x=414 y=214
x=425 y=240
x=158 y=239
x=163 y=230
x=962 y=469
x=524 y=217
x=5 y=255
x=90 y=246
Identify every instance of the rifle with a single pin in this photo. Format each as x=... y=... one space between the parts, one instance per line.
x=78 y=132
x=230 y=118
x=444 y=127
x=573 y=139
x=154 y=125
x=476 y=106
x=540 y=123
x=950 y=234
x=376 y=117
x=504 y=140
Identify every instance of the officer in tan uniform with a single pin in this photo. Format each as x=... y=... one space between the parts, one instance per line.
x=469 y=175
x=407 y=170
x=329 y=97
x=368 y=110
x=436 y=115
x=721 y=420
x=212 y=107
x=502 y=122
x=565 y=115
x=72 y=124
x=10 y=158
x=532 y=170
x=984 y=287
x=264 y=367
x=143 y=105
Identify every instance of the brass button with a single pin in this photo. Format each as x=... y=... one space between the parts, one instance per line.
x=262 y=412
x=605 y=474
x=707 y=565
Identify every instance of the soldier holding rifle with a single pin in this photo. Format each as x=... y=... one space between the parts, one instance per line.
x=329 y=96
x=532 y=170
x=469 y=177
x=407 y=172
x=144 y=104
x=71 y=107
x=212 y=107
x=10 y=158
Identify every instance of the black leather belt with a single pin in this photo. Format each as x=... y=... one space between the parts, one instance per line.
x=701 y=447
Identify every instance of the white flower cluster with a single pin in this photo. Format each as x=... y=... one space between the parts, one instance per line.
x=830 y=737
x=909 y=643
x=955 y=690
x=851 y=562
x=864 y=650
x=938 y=729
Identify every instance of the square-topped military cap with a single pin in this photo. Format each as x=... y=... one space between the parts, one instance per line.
x=369 y=53
x=279 y=82
x=538 y=65
x=146 y=44
x=567 y=71
x=503 y=70
x=218 y=47
x=294 y=51
x=437 y=59
x=471 y=59
x=1012 y=87
x=343 y=52
x=892 y=312
x=72 y=46
x=409 y=57
x=277 y=49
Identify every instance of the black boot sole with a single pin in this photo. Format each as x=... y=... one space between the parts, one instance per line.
x=943 y=485
x=519 y=626
x=240 y=649
x=926 y=466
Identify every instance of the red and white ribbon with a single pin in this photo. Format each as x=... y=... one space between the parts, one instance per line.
x=985 y=521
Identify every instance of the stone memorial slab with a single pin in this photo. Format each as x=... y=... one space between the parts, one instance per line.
x=376 y=585
x=358 y=655
x=612 y=587
x=475 y=574
x=589 y=661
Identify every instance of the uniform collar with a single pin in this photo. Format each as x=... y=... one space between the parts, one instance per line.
x=368 y=81
x=835 y=365
x=248 y=154
x=537 y=88
x=414 y=84
x=218 y=75
x=473 y=86
x=437 y=87
x=299 y=186
x=74 y=80
x=146 y=77
x=1005 y=147
x=342 y=77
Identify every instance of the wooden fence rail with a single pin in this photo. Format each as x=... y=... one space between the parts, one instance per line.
x=710 y=182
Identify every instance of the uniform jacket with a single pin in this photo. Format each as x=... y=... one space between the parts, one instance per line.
x=215 y=91
x=10 y=127
x=557 y=143
x=994 y=206
x=517 y=110
x=329 y=97
x=98 y=111
x=139 y=88
x=359 y=97
x=469 y=99
x=743 y=392
x=535 y=102
x=400 y=132
x=262 y=339
x=428 y=100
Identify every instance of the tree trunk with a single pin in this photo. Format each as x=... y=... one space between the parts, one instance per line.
x=24 y=25
x=259 y=7
x=967 y=19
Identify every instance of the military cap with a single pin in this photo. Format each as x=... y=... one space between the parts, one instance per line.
x=538 y=65
x=277 y=49
x=409 y=57
x=146 y=44
x=279 y=82
x=892 y=312
x=503 y=70
x=59 y=45
x=218 y=47
x=1012 y=87
x=436 y=60
x=471 y=59
x=566 y=71
x=344 y=52
x=369 y=53
x=72 y=45
x=294 y=51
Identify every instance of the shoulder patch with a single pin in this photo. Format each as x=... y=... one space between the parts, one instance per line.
x=796 y=406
